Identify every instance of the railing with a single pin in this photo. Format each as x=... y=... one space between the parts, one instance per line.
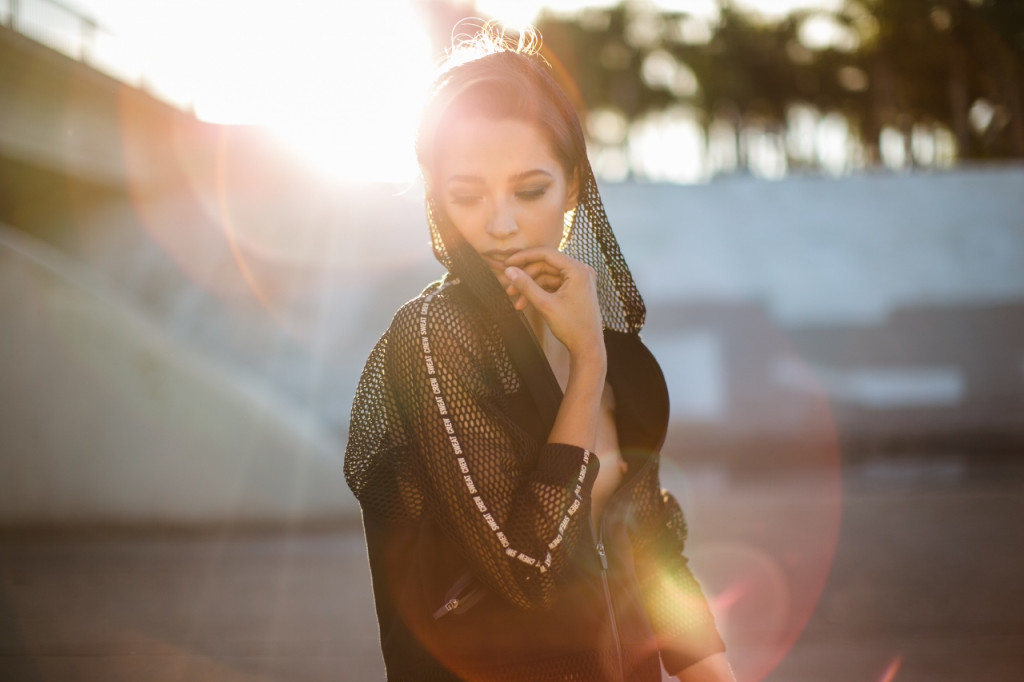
x=82 y=38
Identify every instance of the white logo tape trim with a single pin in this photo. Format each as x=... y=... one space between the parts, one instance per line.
x=463 y=466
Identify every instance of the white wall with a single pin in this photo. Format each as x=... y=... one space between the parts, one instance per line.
x=817 y=250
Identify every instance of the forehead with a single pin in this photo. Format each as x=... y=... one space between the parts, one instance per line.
x=494 y=149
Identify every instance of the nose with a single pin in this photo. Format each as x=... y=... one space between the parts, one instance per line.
x=503 y=221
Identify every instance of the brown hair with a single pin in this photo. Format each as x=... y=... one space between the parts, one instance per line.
x=497 y=77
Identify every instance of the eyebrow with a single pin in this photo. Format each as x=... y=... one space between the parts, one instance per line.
x=475 y=179
x=529 y=173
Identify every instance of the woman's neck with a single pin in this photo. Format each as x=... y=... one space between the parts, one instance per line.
x=556 y=353
x=538 y=325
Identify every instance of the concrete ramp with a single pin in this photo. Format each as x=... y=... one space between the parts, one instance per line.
x=106 y=419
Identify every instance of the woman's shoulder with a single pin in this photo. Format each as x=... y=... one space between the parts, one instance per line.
x=441 y=330
x=641 y=391
x=443 y=311
x=442 y=299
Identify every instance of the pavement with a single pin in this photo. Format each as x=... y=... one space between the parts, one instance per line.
x=923 y=586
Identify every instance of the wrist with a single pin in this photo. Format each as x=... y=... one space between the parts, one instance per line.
x=590 y=362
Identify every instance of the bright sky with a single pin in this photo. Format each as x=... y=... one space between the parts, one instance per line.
x=339 y=82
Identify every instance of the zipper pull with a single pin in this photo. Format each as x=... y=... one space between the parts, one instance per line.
x=446 y=608
x=602 y=555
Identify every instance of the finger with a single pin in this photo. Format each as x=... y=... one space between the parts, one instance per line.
x=540 y=269
x=519 y=301
x=530 y=290
x=535 y=269
x=550 y=283
x=549 y=280
x=540 y=254
x=536 y=266
x=540 y=260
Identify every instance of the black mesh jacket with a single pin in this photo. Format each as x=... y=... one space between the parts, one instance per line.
x=485 y=563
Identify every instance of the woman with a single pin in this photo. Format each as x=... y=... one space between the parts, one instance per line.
x=505 y=432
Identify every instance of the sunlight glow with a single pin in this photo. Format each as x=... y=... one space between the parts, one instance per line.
x=345 y=98
x=516 y=13
x=519 y=12
x=667 y=146
x=777 y=9
x=892 y=147
x=822 y=31
x=890 y=672
x=340 y=84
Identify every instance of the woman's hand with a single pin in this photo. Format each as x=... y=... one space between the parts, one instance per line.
x=562 y=290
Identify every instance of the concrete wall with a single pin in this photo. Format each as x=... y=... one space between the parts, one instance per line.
x=104 y=418
x=898 y=297
x=60 y=114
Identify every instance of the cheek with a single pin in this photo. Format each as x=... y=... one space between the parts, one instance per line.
x=466 y=220
x=543 y=228
x=553 y=223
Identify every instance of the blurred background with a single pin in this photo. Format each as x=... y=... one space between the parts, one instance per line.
x=209 y=211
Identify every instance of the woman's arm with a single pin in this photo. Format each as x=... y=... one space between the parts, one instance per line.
x=563 y=292
x=515 y=511
x=514 y=506
x=676 y=605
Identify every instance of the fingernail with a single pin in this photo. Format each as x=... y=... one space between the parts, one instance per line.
x=510 y=272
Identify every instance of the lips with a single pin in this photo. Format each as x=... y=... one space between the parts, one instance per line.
x=497 y=257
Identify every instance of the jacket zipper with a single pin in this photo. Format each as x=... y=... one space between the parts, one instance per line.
x=599 y=537
x=598 y=533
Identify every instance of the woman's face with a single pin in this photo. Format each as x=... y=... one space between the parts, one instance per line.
x=502 y=188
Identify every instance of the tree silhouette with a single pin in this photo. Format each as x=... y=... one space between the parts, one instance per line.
x=910 y=65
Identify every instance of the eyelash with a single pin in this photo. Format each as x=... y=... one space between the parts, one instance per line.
x=524 y=195
x=531 y=194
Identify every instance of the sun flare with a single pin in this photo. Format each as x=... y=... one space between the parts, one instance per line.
x=342 y=88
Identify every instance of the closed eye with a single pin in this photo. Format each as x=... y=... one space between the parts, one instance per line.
x=465 y=199
x=531 y=194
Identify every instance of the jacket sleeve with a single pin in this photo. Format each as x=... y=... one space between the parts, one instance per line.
x=512 y=504
x=676 y=605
